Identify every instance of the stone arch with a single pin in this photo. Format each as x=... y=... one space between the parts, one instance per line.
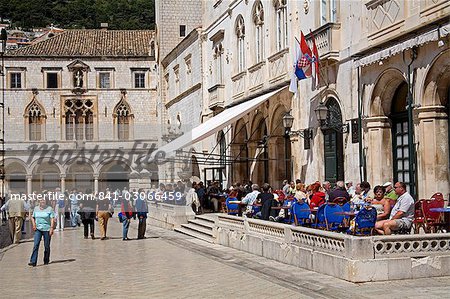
x=239 y=152
x=259 y=152
x=71 y=160
x=49 y=160
x=437 y=81
x=255 y=126
x=46 y=176
x=279 y=148
x=9 y=161
x=276 y=120
x=385 y=87
x=80 y=175
x=114 y=174
x=15 y=175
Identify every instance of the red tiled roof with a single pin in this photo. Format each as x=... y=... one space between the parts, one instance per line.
x=92 y=42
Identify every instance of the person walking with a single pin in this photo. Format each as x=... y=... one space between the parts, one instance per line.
x=74 y=217
x=127 y=214
x=16 y=215
x=103 y=214
x=141 y=213
x=88 y=213
x=60 y=209
x=43 y=222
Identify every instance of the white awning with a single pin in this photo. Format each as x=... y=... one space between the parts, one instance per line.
x=430 y=36
x=215 y=124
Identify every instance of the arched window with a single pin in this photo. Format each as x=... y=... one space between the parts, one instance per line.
x=240 y=34
x=35 y=121
x=79 y=119
x=123 y=114
x=258 y=20
x=281 y=23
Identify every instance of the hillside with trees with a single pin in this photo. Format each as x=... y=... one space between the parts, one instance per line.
x=72 y=14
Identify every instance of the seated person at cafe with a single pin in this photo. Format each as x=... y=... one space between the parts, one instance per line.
x=276 y=202
x=250 y=199
x=389 y=193
x=300 y=192
x=340 y=191
x=265 y=199
x=284 y=214
x=214 y=195
x=402 y=214
x=381 y=203
x=317 y=196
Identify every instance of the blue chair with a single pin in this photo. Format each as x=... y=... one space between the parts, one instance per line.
x=320 y=218
x=301 y=213
x=346 y=208
x=333 y=216
x=365 y=221
x=288 y=218
x=232 y=208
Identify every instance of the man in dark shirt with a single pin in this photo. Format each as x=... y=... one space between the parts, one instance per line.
x=266 y=199
x=339 y=192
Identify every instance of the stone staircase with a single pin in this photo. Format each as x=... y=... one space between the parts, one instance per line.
x=201 y=227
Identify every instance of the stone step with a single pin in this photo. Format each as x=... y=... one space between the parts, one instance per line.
x=198 y=229
x=207 y=217
x=202 y=223
x=195 y=234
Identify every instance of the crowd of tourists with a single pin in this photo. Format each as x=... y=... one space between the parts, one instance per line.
x=48 y=211
x=393 y=203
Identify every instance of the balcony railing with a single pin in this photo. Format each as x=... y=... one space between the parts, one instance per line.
x=327 y=40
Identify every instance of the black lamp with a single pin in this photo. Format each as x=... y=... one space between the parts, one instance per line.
x=288 y=121
x=321 y=113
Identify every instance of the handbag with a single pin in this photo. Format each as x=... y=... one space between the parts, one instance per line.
x=120 y=215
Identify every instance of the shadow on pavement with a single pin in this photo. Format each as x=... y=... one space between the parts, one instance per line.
x=62 y=261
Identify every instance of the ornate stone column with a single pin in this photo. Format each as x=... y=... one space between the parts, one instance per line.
x=378 y=145
x=29 y=183
x=95 y=183
x=63 y=182
x=432 y=151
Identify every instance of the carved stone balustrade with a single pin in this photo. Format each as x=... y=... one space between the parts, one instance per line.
x=327 y=40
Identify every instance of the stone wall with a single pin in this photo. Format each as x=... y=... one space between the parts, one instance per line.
x=352 y=258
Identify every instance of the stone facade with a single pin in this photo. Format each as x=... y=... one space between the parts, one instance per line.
x=364 y=49
x=93 y=112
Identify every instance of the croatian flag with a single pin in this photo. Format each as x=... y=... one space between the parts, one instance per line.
x=304 y=59
x=302 y=63
x=316 y=71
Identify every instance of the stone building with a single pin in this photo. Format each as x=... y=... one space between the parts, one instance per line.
x=80 y=108
x=375 y=56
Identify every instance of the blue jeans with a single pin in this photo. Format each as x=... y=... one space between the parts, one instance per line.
x=74 y=217
x=125 y=226
x=38 y=234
